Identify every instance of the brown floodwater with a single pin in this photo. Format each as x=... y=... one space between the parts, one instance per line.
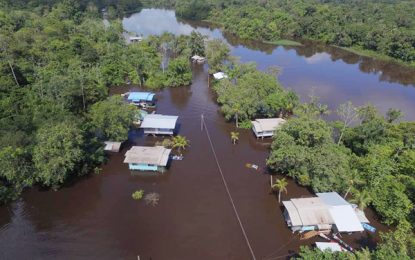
x=96 y=218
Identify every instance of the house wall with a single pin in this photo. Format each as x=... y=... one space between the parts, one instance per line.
x=158 y=131
x=142 y=167
x=263 y=134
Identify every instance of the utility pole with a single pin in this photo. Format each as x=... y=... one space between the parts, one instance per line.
x=202 y=119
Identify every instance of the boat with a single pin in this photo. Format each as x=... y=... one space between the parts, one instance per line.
x=369 y=227
x=177 y=157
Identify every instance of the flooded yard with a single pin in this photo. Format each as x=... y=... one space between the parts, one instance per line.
x=96 y=217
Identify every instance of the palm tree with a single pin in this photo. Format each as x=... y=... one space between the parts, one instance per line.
x=234 y=137
x=280 y=185
x=180 y=142
x=353 y=180
x=361 y=198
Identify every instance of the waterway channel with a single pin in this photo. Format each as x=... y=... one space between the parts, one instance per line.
x=96 y=218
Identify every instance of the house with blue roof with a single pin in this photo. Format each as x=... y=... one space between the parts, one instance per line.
x=141 y=98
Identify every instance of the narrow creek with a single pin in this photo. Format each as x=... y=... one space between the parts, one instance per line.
x=96 y=217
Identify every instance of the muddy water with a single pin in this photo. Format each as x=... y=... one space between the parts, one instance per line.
x=96 y=217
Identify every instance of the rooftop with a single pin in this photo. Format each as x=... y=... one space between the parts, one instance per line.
x=327 y=208
x=159 y=121
x=220 y=75
x=141 y=96
x=157 y=155
x=267 y=124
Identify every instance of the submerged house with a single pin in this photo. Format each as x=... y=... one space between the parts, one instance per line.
x=198 y=59
x=220 y=75
x=324 y=212
x=112 y=146
x=140 y=98
x=157 y=124
x=267 y=126
x=144 y=158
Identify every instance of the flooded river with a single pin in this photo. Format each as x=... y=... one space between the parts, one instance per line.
x=96 y=218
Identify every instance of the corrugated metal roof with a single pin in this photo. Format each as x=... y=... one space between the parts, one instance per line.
x=267 y=124
x=312 y=211
x=159 y=121
x=345 y=219
x=141 y=96
x=157 y=155
x=293 y=213
x=332 y=199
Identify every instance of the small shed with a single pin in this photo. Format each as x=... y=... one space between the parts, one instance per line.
x=141 y=97
x=112 y=146
x=220 y=75
x=198 y=59
x=266 y=127
x=329 y=246
x=144 y=158
x=157 y=124
x=134 y=39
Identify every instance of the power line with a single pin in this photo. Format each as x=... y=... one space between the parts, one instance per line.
x=227 y=189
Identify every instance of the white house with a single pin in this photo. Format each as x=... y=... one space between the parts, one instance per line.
x=267 y=126
x=157 y=124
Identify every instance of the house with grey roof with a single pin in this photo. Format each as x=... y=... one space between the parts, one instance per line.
x=145 y=158
x=266 y=127
x=156 y=124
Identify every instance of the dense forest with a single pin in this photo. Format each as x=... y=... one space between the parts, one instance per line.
x=57 y=64
x=385 y=29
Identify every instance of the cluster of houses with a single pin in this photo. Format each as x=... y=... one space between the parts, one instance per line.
x=146 y=158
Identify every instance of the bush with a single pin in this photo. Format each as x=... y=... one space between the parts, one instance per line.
x=138 y=195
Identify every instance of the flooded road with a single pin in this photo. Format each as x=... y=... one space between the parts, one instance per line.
x=96 y=218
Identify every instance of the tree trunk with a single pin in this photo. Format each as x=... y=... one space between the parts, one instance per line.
x=14 y=75
x=347 y=192
x=236 y=120
x=341 y=135
x=279 y=196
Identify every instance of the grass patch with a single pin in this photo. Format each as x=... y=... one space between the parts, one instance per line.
x=376 y=55
x=284 y=42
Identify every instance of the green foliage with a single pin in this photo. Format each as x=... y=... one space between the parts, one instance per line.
x=15 y=173
x=217 y=53
x=234 y=137
x=386 y=28
x=179 y=73
x=192 y=9
x=138 y=195
x=303 y=149
x=112 y=118
x=180 y=142
x=57 y=153
x=197 y=43
x=251 y=93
